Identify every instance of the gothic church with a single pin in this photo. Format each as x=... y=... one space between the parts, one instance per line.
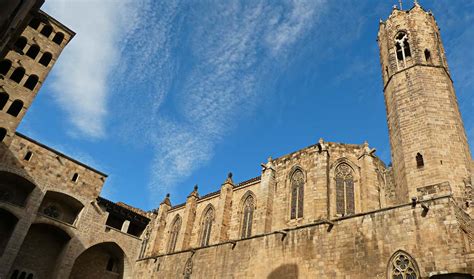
x=329 y=210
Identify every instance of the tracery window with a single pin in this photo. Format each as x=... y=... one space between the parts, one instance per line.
x=402 y=47
x=344 y=190
x=207 y=226
x=175 y=227
x=248 y=209
x=52 y=211
x=297 y=194
x=402 y=266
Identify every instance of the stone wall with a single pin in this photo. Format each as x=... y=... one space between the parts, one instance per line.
x=49 y=171
x=359 y=246
x=272 y=196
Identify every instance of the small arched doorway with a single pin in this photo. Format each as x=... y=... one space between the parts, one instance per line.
x=7 y=225
x=40 y=251
x=101 y=261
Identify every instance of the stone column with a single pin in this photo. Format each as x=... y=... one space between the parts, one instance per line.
x=189 y=217
x=125 y=226
x=323 y=190
x=267 y=187
x=369 y=189
x=160 y=226
x=224 y=210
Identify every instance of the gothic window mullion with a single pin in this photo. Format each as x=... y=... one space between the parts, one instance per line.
x=300 y=200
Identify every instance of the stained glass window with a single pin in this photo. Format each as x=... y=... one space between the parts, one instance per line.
x=207 y=226
x=402 y=266
x=174 y=232
x=249 y=206
x=297 y=194
x=345 y=204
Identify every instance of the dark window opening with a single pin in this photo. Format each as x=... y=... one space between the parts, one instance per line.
x=15 y=274
x=3 y=99
x=75 y=177
x=34 y=23
x=110 y=264
x=30 y=276
x=31 y=82
x=28 y=156
x=3 y=134
x=20 y=44
x=5 y=66
x=15 y=108
x=428 y=56
x=58 y=38
x=33 y=51
x=45 y=59
x=17 y=75
x=419 y=160
x=386 y=71
x=22 y=275
x=47 y=30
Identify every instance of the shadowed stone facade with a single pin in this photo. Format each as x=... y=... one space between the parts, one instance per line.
x=330 y=210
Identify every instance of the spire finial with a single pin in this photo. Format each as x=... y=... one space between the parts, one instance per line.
x=401 y=4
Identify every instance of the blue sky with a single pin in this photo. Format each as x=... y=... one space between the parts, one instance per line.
x=163 y=95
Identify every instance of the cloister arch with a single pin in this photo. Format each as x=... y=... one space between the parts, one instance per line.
x=103 y=260
x=41 y=251
x=14 y=189
x=60 y=206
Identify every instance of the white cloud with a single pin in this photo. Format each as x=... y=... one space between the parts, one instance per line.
x=231 y=45
x=80 y=78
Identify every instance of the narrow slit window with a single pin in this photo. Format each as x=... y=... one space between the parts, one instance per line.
x=419 y=160
x=428 y=56
x=33 y=51
x=31 y=82
x=15 y=108
x=58 y=38
x=75 y=177
x=47 y=30
x=46 y=59
x=18 y=75
x=3 y=99
x=28 y=156
x=5 y=66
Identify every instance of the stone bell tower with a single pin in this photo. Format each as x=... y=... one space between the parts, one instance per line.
x=427 y=137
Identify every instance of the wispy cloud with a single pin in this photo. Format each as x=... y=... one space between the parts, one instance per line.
x=80 y=79
x=199 y=84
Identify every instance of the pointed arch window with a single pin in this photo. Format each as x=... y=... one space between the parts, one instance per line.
x=297 y=194
x=174 y=232
x=402 y=266
x=344 y=190
x=247 y=220
x=206 y=226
